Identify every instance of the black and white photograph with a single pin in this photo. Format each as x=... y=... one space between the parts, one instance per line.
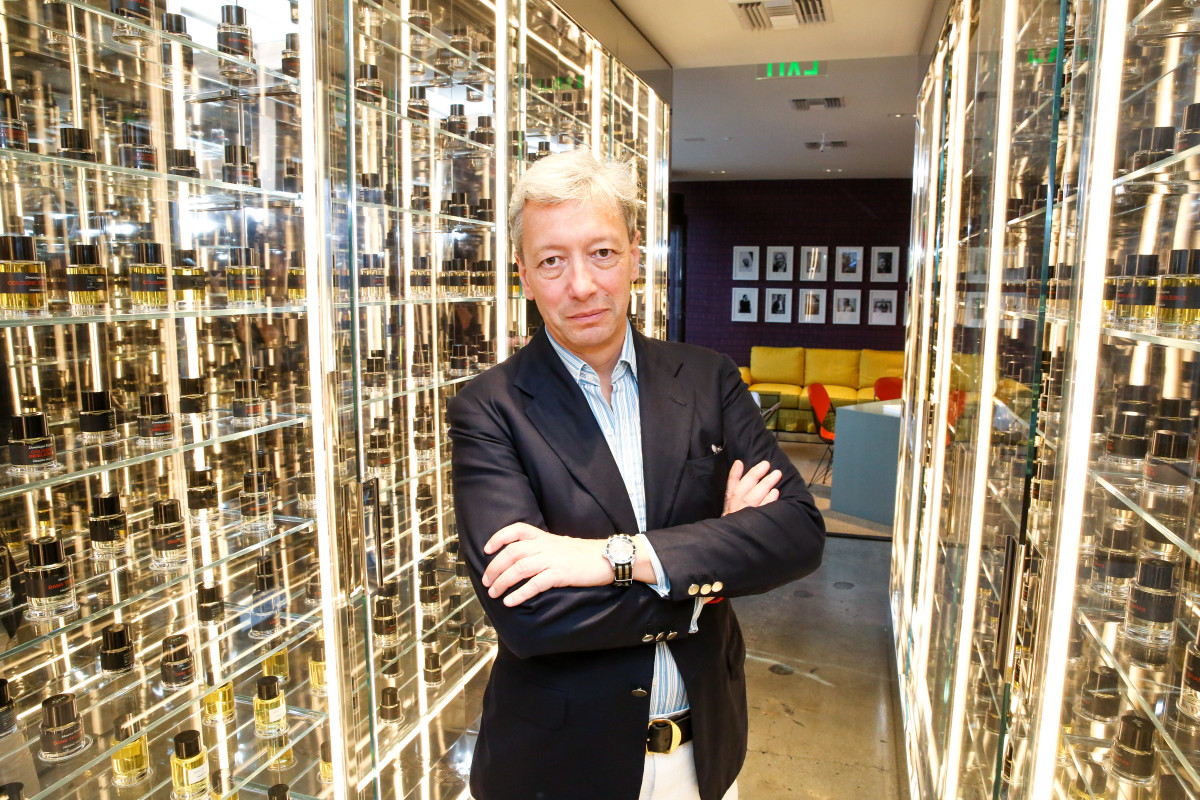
x=883 y=307
x=778 y=306
x=745 y=305
x=848 y=264
x=745 y=263
x=814 y=263
x=810 y=306
x=778 y=264
x=846 y=306
x=885 y=264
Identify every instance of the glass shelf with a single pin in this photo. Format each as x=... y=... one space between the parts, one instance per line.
x=57 y=316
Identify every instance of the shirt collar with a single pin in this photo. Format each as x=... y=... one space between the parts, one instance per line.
x=582 y=371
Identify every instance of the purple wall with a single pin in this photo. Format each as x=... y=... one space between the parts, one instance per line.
x=723 y=214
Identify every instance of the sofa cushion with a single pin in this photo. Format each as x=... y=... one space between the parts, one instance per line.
x=786 y=393
x=830 y=368
x=777 y=365
x=866 y=395
x=745 y=374
x=838 y=396
x=876 y=364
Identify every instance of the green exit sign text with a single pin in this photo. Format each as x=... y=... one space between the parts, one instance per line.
x=791 y=69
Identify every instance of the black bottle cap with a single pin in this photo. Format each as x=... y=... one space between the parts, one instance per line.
x=59 y=710
x=237 y=154
x=28 y=426
x=174 y=24
x=5 y=693
x=17 y=247
x=133 y=133
x=379 y=439
x=45 y=551
x=74 y=139
x=1169 y=444
x=279 y=791
x=106 y=504
x=148 y=253
x=327 y=751
x=296 y=259
x=117 y=651
x=245 y=389
x=1100 y=695
x=291 y=41
x=256 y=481
x=486 y=46
x=153 y=405
x=1174 y=407
x=10 y=104
x=1162 y=138
x=200 y=478
x=264 y=574
x=190 y=387
x=389 y=703
x=85 y=254
x=1177 y=262
x=1191 y=117
x=243 y=257
x=166 y=512
x=181 y=159
x=384 y=607
x=371 y=260
x=484 y=122
x=211 y=605
x=1142 y=265
x=427 y=566
x=12 y=791
x=233 y=15
x=458 y=110
x=1154 y=573
x=176 y=648
x=187 y=744
x=416 y=93
x=367 y=72
x=1133 y=752
x=433 y=660
x=1129 y=423
x=312 y=589
x=267 y=687
x=183 y=258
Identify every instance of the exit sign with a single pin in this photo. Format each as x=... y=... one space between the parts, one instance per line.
x=791 y=69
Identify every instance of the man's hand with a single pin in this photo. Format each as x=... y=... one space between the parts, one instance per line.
x=752 y=489
x=543 y=560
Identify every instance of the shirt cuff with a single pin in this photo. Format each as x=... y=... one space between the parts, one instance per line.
x=701 y=602
x=662 y=583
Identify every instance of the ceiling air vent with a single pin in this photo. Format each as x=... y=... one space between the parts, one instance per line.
x=825 y=144
x=766 y=15
x=805 y=103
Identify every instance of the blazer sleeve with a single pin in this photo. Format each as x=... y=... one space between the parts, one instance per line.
x=493 y=491
x=756 y=549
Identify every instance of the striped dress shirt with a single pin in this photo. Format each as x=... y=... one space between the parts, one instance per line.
x=621 y=423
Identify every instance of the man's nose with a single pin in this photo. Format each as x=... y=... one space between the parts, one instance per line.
x=582 y=282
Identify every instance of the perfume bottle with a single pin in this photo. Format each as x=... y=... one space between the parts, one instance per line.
x=421 y=22
x=325 y=767
x=430 y=593
x=193 y=398
x=222 y=785
x=420 y=198
x=248 y=408
x=290 y=65
x=297 y=286
x=156 y=424
x=276 y=663
x=459 y=362
x=385 y=623
x=462 y=575
x=131 y=763
x=233 y=38
x=148 y=276
x=257 y=502
x=1137 y=291
x=136 y=11
x=135 y=150
x=420 y=279
x=1127 y=444
x=433 y=668
x=379 y=454
x=189 y=285
x=244 y=277
x=177 y=668
x=30 y=446
x=22 y=277
x=203 y=503
x=279 y=791
x=108 y=527
x=317 y=681
x=280 y=756
x=467 y=643
x=423 y=439
x=182 y=163
x=178 y=59
x=267 y=601
x=8 y=709
x=1189 y=691
x=98 y=418
x=62 y=733
x=391 y=712
x=14 y=133
x=48 y=583
x=293 y=176
x=1133 y=761
x=481 y=280
x=372 y=277
x=456 y=122
x=368 y=88
x=1150 y=612
x=168 y=537
x=1154 y=144
x=218 y=705
x=189 y=767
x=484 y=133
x=87 y=280
x=238 y=166
x=210 y=607
x=270 y=712
x=76 y=143
x=116 y=650
x=1177 y=307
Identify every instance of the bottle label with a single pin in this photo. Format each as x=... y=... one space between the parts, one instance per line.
x=247 y=408
x=256 y=505
x=13 y=135
x=250 y=281
x=61 y=740
x=198 y=775
x=235 y=43
x=190 y=283
x=239 y=173
x=170 y=539
x=421 y=278
x=277 y=713
x=371 y=279
x=1171 y=297
x=421 y=23
x=142 y=281
x=1110 y=564
x=154 y=427
x=30 y=455
x=22 y=282
x=178 y=671
x=48 y=582
x=1151 y=606
x=295 y=279
x=1143 y=293
x=291 y=66
x=77 y=282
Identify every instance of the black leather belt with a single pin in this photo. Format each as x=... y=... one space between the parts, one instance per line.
x=664 y=735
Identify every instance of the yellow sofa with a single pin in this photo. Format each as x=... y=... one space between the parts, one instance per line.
x=783 y=374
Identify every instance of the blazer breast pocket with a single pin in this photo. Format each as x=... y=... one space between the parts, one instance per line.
x=706 y=465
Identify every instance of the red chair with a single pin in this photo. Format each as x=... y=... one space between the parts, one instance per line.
x=889 y=388
x=819 y=398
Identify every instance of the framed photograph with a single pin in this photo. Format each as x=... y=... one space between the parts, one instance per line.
x=814 y=263
x=745 y=305
x=846 y=306
x=883 y=307
x=847 y=265
x=745 y=263
x=779 y=264
x=810 y=306
x=778 y=306
x=885 y=264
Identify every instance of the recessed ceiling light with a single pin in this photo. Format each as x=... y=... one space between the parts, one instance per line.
x=838 y=169
x=727 y=138
x=898 y=116
x=716 y=172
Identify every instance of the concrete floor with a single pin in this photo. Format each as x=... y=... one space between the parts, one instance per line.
x=821 y=682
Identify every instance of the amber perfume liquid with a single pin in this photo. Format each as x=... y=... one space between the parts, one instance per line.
x=131 y=764
x=276 y=664
x=317 y=681
x=189 y=286
x=189 y=768
x=245 y=286
x=218 y=706
x=22 y=288
x=1177 y=311
x=149 y=285
x=87 y=280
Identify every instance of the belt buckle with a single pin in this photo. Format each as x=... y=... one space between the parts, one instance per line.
x=676 y=737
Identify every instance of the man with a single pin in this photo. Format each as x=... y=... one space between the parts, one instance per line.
x=602 y=503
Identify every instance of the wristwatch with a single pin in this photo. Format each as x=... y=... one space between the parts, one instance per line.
x=621 y=552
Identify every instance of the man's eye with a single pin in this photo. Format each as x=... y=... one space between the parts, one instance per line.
x=553 y=262
x=604 y=252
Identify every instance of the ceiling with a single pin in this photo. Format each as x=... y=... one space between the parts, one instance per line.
x=728 y=125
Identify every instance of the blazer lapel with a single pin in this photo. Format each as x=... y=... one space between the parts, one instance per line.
x=667 y=413
x=560 y=412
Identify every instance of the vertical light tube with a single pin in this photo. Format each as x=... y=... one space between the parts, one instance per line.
x=651 y=248
x=503 y=174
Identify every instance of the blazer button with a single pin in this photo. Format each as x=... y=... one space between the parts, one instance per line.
x=706 y=589
x=639 y=693
x=671 y=635
x=649 y=637
x=694 y=590
x=717 y=586
x=660 y=636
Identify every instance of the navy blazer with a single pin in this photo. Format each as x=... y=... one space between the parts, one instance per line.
x=566 y=707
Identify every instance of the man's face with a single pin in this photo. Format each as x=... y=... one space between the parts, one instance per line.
x=577 y=263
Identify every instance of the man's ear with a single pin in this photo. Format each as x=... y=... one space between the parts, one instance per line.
x=524 y=279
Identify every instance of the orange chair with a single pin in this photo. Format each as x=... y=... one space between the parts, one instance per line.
x=819 y=398
x=889 y=388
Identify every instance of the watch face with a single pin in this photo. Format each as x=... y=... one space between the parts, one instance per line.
x=620 y=550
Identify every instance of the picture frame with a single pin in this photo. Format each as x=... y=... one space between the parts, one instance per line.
x=883 y=307
x=810 y=306
x=885 y=264
x=745 y=304
x=745 y=263
x=847 y=306
x=778 y=264
x=777 y=307
x=848 y=265
x=814 y=264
